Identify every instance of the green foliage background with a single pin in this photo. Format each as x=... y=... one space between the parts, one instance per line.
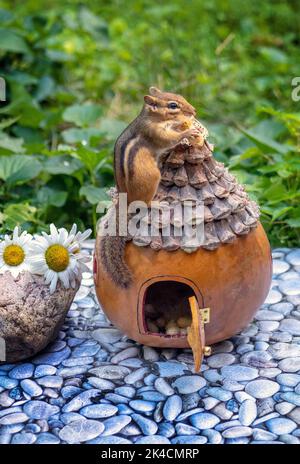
x=76 y=72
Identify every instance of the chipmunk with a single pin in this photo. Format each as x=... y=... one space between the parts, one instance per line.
x=161 y=125
x=155 y=131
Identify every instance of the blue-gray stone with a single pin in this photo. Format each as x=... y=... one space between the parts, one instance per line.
x=113 y=440
x=204 y=420
x=186 y=414
x=166 y=429
x=126 y=391
x=124 y=409
x=289 y=380
x=40 y=409
x=163 y=387
x=7 y=383
x=185 y=429
x=189 y=440
x=213 y=436
x=239 y=373
x=58 y=345
x=51 y=381
x=14 y=418
x=261 y=434
x=237 y=441
x=31 y=388
x=70 y=391
x=46 y=438
x=172 y=407
x=147 y=426
x=16 y=393
x=247 y=412
x=81 y=431
x=85 y=350
x=10 y=410
x=136 y=376
x=170 y=369
x=237 y=432
x=101 y=384
x=232 y=405
x=68 y=417
x=152 y=396
x=115 y=424
x=81 y=400
x=23 y=371
x=153 y=440
x=219 y=393
x=117 y=399
x=189 y=384
x=142 y=406
x=82 y=361
x=291 y=397
x=99 y=411
x=23 y=438
x=262 y=388
x=53 y=358
x=281 y=425
x=110 y=372
x=44 y=369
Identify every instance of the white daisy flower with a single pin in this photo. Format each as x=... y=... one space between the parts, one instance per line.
x=15 y=253
x=58 y=256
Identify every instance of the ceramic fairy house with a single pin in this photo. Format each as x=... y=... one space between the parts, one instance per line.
x=177 y=286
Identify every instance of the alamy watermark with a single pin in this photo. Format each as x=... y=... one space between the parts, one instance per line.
x=296 y=90
x=2 y=89
x=176 y=219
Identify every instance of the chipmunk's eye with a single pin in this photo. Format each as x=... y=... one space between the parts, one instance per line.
x=173 y=105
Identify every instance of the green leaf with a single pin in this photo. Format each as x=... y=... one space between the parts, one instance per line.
x=17 y=169
x=90 y=158
x=62 y=164
x=75 y=135
x=82 y=115
x=10 y=144
x=17 y=214
x=112 y=128
x=52 y=197
x=294 y=222
x=265 y=143
x=12 y=42
x=281 y=211
x=93 y=194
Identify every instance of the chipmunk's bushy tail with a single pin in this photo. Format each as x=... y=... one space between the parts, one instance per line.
x=112 y=251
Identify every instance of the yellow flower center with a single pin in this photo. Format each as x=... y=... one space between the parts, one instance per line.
x=57 y=258
x=13 y=255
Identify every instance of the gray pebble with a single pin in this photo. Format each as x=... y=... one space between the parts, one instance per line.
x=189 y=384
x=172 y=407
x=261 y=388
x=247 y=412
x=31 y=388
x=81 y=431
x=204 y=420
x=239 y=373
x=280 y=425
x=98 y=411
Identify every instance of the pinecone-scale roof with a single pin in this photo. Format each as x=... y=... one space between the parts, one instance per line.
x=190 y=173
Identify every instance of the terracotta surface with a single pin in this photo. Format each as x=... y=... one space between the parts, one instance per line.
x=232 y=280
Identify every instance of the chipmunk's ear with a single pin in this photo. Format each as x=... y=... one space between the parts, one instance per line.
x=151 y=101
x=154 y=91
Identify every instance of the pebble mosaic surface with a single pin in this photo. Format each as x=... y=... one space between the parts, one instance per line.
x=93 y=385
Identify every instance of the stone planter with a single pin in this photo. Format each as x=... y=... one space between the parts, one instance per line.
x=30 y=318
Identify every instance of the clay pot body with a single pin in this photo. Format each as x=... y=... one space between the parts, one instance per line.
x=233 y=281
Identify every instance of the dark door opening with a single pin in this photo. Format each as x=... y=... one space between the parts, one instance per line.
x=166 y=309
